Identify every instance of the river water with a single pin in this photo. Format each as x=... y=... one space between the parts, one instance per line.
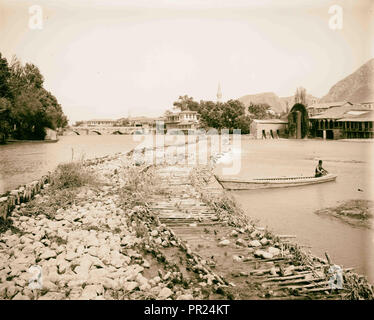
x=23 y=162
x=285 y=211
x=292 y=210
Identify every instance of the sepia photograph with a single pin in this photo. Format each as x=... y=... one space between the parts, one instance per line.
x=205 y=151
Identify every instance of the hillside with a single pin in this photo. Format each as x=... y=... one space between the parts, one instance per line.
x=357 y=87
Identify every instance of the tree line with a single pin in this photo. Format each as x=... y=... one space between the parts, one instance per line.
x=232 y=114
x=26 y=108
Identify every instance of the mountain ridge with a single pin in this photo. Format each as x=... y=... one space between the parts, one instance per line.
x=277 y=104
x=356 y=87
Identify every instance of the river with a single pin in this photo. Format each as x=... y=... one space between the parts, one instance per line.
x=23 y=162
x=292 y=210
x=285 y=211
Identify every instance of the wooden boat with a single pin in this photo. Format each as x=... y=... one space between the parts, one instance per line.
x=262 y=183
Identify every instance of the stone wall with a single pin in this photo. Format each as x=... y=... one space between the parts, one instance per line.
x=22 y=194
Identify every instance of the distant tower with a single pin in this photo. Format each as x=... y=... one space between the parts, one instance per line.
x=219 y=93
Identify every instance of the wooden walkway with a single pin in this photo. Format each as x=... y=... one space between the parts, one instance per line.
x=179 y=206
x=180 y=203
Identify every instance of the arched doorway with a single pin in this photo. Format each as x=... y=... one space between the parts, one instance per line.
x=298 y=122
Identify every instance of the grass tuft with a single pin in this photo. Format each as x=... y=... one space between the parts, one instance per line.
x=71 y=175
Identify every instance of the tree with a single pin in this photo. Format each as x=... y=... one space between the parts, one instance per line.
x=54 y=116
x=185 y=103
x=243 y=123
x=300 y=96
x=24 y=104
x=77 y=123
x=229 y=115
x=232 y=110
x=24 y=77
x=259 y=111
x=5 y=127
x=211 y=115
x=27 y=116
x=5 y=91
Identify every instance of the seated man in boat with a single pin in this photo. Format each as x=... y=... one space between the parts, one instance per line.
x=319 y=170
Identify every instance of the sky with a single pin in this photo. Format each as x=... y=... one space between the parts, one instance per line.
x=118 y=58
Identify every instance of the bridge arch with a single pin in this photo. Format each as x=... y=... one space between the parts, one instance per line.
x=117 y=132
x=77 y=133
x=298 y=121
x=98 y=132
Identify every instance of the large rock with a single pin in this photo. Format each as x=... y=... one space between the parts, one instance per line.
x=274 y=251
x=70 y=255
x=234 y=233
x=110 y=284
x=224 y=242
x=20 y=296
x=240 y=242
x=263 y=254
x=254 y=243
x=237 y=258
x=53 y=296
x=130 y=286
x=185 y=297
x=47 y=254
x=92 y=291
x=256 y=234
x=165 y=293
x=11 y=290
x=154 y=233
x=146 y=264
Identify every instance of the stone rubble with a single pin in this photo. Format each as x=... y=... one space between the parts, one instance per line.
x=91 y=250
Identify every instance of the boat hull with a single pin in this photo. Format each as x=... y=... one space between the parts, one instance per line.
x=241 y=184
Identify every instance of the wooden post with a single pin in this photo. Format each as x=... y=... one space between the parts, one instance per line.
x=298 y=125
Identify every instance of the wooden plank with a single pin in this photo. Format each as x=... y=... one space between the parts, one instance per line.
x=301 y=281
x=298 y=276
x=319 y=289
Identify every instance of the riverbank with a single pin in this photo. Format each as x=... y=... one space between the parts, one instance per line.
x=12 y=141
x=154 y=232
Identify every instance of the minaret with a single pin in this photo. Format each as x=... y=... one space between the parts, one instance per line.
x=219 y=93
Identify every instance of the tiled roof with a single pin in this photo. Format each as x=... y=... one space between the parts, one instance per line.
x=187 y=111
x=326 y=105
x=337 y=112
x=364 y=117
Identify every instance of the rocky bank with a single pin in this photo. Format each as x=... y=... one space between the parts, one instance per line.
x=138 y=231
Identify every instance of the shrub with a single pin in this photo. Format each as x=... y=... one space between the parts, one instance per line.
x=71 y=175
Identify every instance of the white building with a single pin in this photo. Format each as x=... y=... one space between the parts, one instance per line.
x=100 y=122
x=268 y=129
x=183 y=120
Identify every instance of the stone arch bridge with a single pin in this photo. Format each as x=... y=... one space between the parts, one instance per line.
x=102 y=130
